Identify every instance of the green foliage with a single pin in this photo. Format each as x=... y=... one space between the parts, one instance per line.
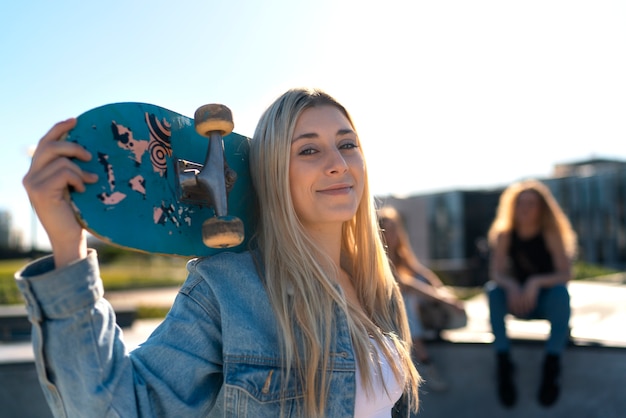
x=9 y=294
x=140 y=272
x=110 y=253
x=151 y=312
x=127 y=272
x=586 y=271
x=9 y=267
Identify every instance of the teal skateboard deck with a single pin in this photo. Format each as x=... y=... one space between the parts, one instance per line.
x=152 y=194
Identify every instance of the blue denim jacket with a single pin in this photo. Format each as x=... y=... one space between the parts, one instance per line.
x=216 y=353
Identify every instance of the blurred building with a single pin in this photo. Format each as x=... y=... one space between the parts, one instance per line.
x=593 y=194
x=5 y=229
x=9 y=238
x=448 y=229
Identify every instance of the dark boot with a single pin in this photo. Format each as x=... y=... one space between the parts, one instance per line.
x=549 y=389
x=506 y=387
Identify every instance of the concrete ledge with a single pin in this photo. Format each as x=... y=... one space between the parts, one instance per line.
x=593 y=382
x=21 y=396
x=15 y=326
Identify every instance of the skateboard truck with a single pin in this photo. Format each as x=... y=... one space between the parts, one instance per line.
x=209 y=184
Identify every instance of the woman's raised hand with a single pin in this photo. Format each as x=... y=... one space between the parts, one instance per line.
x=51 y=172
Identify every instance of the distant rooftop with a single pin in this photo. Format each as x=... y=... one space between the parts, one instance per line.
x=587 y=167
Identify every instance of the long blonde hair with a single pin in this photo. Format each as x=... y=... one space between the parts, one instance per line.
x=553 y=219
x=300 y=279
x=401 y=255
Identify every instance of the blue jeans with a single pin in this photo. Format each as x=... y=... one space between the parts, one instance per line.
x=553 y=304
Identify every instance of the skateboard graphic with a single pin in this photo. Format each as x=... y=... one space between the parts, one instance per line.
x=168 y=184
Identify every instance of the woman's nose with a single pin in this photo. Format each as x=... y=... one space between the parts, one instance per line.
x=336 y=164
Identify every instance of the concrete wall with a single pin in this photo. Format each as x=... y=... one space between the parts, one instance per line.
x=20 y=393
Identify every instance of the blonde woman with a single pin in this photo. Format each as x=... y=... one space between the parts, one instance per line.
x=421 y=289
x=309 y=322
x=532 y=248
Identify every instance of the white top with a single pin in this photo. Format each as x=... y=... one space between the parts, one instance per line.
x=378 y=404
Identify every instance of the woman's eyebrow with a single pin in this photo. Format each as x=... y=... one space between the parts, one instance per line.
x=310 y=135
x=345 y=131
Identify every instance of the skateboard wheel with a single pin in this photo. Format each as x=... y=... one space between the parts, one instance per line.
x=222 y=232
x=214 y=118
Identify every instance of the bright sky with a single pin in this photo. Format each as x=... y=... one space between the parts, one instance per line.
x=445 y=94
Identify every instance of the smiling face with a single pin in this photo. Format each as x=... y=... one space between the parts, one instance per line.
x=326 y=170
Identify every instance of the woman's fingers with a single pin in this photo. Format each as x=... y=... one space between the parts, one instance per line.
x=52 y=146
x=51 y=163
x=45 y=153
x=52 y=171
x=53 y=178
x=59 y=129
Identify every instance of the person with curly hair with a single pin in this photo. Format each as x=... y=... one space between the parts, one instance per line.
x=532 y=246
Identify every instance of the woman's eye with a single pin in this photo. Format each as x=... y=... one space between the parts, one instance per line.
x=308 y=151
x=348 y=145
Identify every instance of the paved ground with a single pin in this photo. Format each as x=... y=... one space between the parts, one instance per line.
x=594 y=376
x=593 y=383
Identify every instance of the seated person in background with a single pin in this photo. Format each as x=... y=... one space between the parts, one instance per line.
x=423 y=292
x=532 y=247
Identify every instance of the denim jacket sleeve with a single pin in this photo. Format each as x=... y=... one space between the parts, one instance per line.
x=83 y=365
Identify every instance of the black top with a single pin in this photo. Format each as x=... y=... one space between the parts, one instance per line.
x=529 y=257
